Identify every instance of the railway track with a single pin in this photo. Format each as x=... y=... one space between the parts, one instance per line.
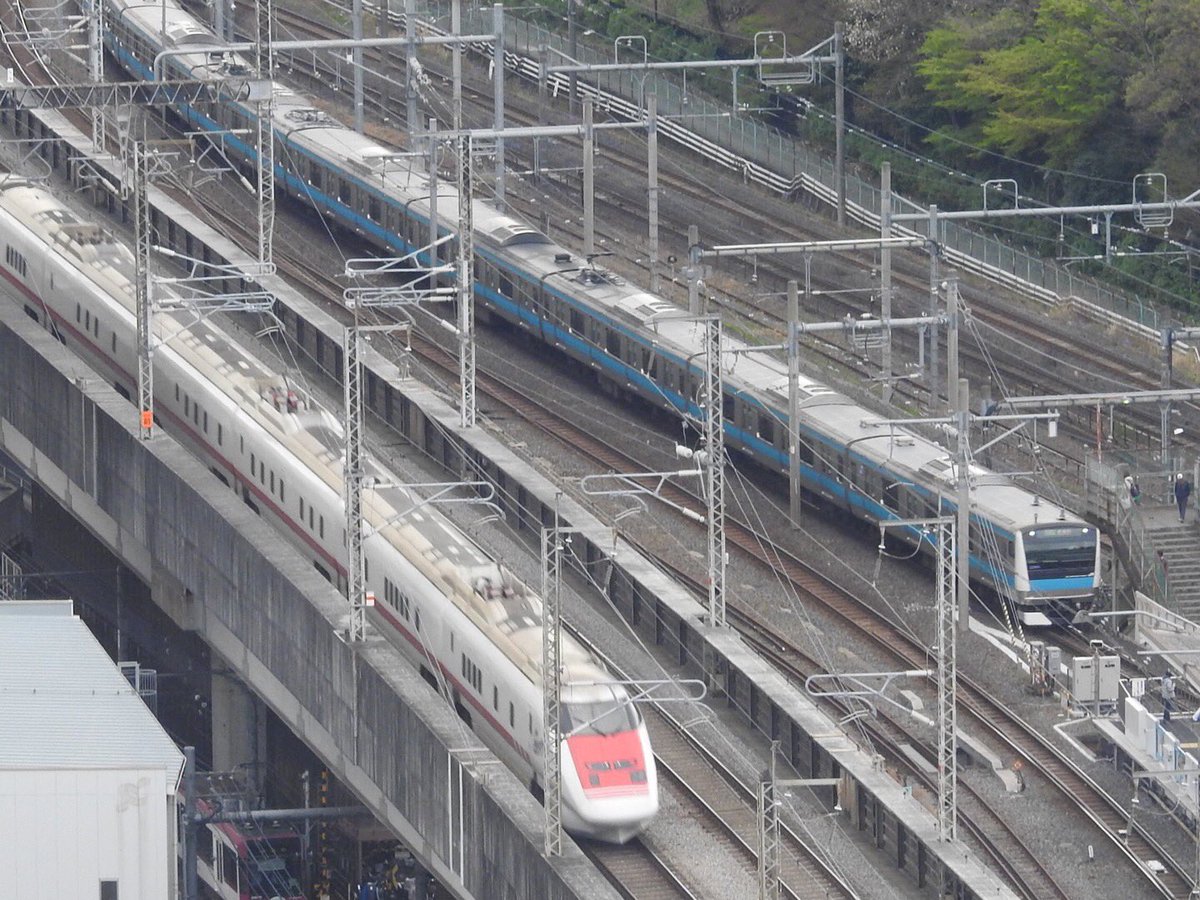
x=1023 y=325
x=989 y=714
x=1060 y=773
x=1098 y=365
x=1014 y=857
x=1010 y=731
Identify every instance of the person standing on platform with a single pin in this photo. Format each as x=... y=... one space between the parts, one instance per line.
x=1183 y=490
x=1168 y=695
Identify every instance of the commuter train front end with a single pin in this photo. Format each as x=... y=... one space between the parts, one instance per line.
x=1057 y=570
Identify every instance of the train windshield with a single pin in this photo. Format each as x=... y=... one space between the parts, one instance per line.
x=600 y=715
x=1060 y=551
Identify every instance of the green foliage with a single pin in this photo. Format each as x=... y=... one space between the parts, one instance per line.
x=1038 y=89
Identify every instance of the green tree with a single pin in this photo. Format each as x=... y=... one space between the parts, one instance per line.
x=1163 y=94
x=1039 y=86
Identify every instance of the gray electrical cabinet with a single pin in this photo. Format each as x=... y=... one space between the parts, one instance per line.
x=1095 y=678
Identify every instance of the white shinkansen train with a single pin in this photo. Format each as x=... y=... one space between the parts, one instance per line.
x=467 y=622
x=1034 y=551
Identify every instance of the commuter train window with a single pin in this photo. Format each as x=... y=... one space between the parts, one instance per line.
x=373 y=209
x=727 y=406
x=577 y=321
x=806 y=452
x=506 y=287
x=766 y=427
x=891 y=496
x=612 y=341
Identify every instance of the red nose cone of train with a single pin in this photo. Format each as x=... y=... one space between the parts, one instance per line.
x=614 y=791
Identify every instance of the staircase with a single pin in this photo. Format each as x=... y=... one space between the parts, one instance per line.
x=1181 y=544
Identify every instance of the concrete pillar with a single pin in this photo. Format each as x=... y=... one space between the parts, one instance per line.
x=239 y=729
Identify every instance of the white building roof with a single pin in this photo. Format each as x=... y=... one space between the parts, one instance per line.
x=65 y=704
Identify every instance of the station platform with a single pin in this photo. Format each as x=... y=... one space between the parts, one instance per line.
x=1142 y=741
x=1144 y=744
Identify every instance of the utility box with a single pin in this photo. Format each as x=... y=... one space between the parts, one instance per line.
x=1053 y=662
x=1096 y=678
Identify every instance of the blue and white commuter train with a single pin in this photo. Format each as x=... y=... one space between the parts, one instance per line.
x=472 y=628
x=1027 y=548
